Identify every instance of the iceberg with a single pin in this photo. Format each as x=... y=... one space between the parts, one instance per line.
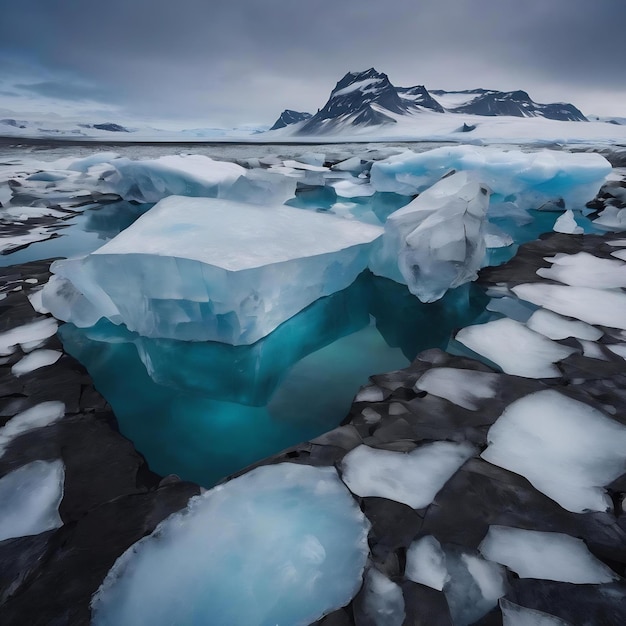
x=437 y=241
x=529 y=180
x=282 y=544
x=205 y=269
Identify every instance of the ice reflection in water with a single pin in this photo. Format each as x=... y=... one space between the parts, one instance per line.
x=205 y=410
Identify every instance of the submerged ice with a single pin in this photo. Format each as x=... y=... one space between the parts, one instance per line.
x=283 y=544
x=205 y=269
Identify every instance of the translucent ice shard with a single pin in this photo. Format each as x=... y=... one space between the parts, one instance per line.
x=30 y=497
x=566 y=223
x=527 y=179
x=437 y=241
x=413 y=478
x=383 y=602
x=585 y=270
x=204 y=269
x=528 y=439
x=282 y=544
x=550 y=556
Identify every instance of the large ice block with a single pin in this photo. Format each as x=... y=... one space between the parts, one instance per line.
x=530 y=180
x=437 y=241
x=205 y=269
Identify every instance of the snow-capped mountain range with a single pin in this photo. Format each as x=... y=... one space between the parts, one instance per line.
x=369 y=99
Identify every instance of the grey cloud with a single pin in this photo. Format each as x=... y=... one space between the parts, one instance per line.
x=240 y=60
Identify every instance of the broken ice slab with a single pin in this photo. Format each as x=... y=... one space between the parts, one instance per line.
x=437 y=241
x=282 y=544
x=204 y=269
x=527 y=179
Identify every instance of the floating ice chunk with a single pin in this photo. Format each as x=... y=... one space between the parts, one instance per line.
x=594 y=306
x=514 y=348
x=413 y=479
x=298 y=165
x=528 y=439
x=37 y=416
x=464 y=388
x=566 y=223
x=282 y=544
x=612 y=218
x=35 y=360
x=82 y=165
x=262 y=187
x=555 y=326
x=30 y=497
x=515 y=615
x=619 y=243
x=34 y=297
x=585 y=270
x=496 y=238
x=383 y=602
x=528 y=179
x=592 y=350
x=349 y=189
x=546 y=555
x=34 y=331
x=619 y=254
x=353 y=164
x=204 y=269
x=437 y=241
x=619 y=349
x=10 y=242
x=426 y=563
x=474 y=586
x=186 y=175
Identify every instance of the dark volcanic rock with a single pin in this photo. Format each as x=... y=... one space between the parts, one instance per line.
x=419 y=96
x=113 y=128
x=288 y=117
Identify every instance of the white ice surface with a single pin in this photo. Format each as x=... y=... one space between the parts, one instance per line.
x=619 y=254
x=35 y=360
x=515 y=348
x=37 y=416
x=282 y=544
x=566 y=223
x=426 y=563
x=545 y=555
x=412 y=478
x=567 y=449
x=465 y=388
x=30 y=497
x=529 y=179
x=436 y=242
x=585 y=270
x=619 y=349
x=207 y=269
x=383 y=602
x=594 y=306
x=555 y=326
x=612 y=218
x=33 y=331
x=515 y=615
x=186 y=175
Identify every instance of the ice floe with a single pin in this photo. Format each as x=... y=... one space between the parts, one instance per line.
x=465 y=388
x=283 y=544
x=594 y=306
x=30 y=497
x=527 y=179
x=426 y=563
x=515 y=615
x=35 y=360
x=383 y=602
x=207 y=269
x=40 y=415
x=567 y=449
x=585 y=270
x=515 y=348
x=566 y=223
x=412 y=478
x=556 y=326
x=547 y=555
x=28 y=333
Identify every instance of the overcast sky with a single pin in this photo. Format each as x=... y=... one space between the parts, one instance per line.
x=232 y=62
